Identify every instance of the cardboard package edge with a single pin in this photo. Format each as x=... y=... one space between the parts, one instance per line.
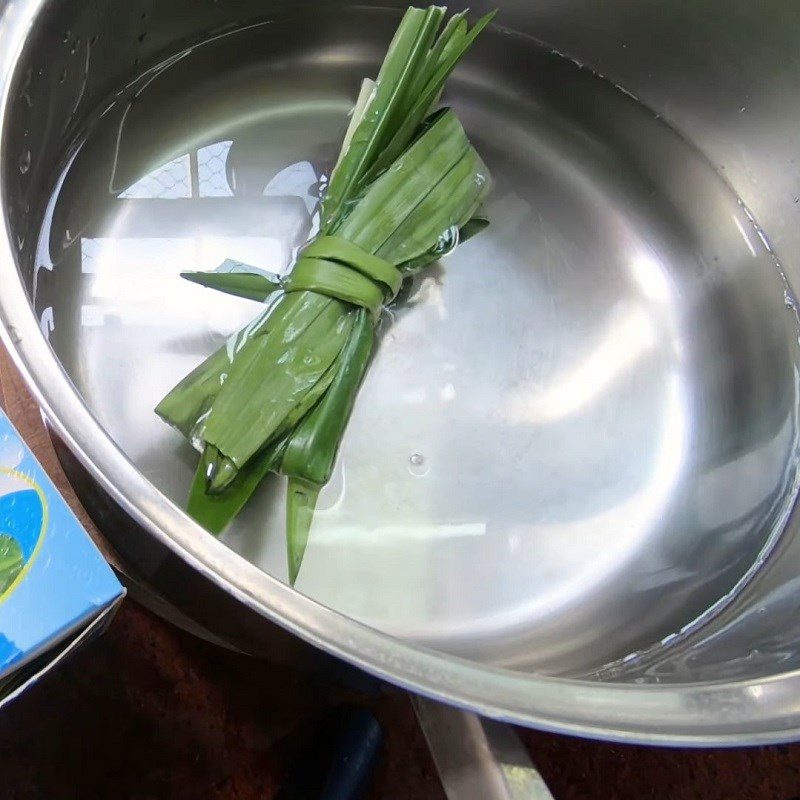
x=51 y=653
x=69 y=643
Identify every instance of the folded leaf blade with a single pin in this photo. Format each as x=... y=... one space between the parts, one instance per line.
x=237 y=279
x=271 y=378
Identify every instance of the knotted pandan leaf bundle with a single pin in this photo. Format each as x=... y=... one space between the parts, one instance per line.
x=406 y=190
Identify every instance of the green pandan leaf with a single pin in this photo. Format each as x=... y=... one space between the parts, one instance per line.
x=405 y=191
x=240 y=280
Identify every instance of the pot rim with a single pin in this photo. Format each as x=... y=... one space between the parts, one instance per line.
x=758 y=711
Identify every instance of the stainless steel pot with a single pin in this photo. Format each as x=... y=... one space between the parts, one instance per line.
x=666 y=191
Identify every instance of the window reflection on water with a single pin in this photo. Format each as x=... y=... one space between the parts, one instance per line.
x=185 y=215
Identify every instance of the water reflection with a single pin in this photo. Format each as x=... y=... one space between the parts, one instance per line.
x=628 y=336
x=135 y=260
x=170 y=181
x=547 y=375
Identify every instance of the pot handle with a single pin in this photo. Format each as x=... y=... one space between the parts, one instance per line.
x=477 y=758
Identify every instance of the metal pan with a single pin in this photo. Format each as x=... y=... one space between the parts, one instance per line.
x=580 y=514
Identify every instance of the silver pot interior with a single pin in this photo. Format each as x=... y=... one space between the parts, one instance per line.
x=576 y=451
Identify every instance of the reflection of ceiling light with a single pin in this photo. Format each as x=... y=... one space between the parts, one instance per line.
x=652 y=278
x=628 y=336
x=757 y=692
x=746 y=238
x=389 y=536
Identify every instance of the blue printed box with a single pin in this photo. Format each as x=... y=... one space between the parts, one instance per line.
x=55 y=588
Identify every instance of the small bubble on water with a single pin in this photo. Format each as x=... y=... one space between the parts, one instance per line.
x=418 y=465
x=25 y=162
x=789 y=301
x=448 y=393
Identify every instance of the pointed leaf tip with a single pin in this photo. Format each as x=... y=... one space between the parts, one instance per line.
x=301 y=500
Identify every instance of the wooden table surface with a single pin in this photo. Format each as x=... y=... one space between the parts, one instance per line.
x=150 y=713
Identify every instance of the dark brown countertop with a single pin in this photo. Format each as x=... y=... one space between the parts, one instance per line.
x=150 y=713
